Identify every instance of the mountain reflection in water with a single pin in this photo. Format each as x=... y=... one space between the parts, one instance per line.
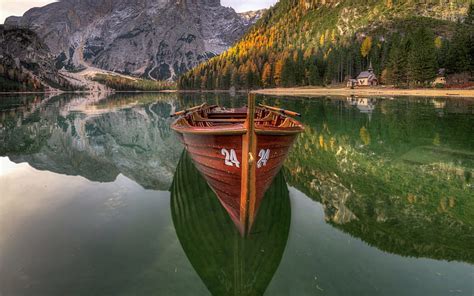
x=94 y=142
x=381 y=194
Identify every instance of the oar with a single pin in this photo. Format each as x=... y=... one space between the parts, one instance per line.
x=287 y=112
x=188 y=110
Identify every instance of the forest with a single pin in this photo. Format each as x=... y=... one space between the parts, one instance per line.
x=121 y=83
x=13 y=79
x=408 y=53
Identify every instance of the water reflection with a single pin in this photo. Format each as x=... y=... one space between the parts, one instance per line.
x=95 y=138
x=227 y=263
x=375 y=184
x=400 y=181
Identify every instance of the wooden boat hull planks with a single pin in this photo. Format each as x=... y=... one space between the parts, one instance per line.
x=212 y=156
x=239 y=157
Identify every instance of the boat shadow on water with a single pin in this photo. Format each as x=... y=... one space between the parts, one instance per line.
x=227 y=263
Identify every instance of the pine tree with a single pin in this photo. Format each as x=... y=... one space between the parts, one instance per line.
x=459 y=54
x=298 y=67
x=235 y=81
x=331 y=68
x=312 y=73
x=288 y=73
x=422 y=63
x=277 y=75
x=397 y=62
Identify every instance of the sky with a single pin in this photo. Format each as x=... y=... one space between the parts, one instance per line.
x=18 y=7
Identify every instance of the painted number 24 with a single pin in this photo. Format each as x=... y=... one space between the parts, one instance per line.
x=231 y=157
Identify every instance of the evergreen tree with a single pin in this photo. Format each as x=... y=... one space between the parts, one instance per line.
x=396 y=73
x=235 y=82
x=422 y=63
x=288 y=73
x=459 y=55
x=331 y=68
x=312 y=73
x=298 y=67
x=277 y=76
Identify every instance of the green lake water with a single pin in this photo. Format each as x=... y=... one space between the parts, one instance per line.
x=98 y=198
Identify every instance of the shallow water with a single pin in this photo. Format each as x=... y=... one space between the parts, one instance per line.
x=97 y=198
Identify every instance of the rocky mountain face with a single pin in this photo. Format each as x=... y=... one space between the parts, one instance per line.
x=251 y=17
x=26 y=63
x=156 y=39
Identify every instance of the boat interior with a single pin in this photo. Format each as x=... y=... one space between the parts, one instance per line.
x=215 y=117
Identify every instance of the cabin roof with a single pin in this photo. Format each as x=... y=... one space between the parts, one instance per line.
x=365 y=74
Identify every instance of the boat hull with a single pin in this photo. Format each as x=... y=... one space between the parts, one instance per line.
x=219 y=159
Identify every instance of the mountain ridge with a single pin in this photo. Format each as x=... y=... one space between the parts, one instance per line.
x=26 y=63
x=166 y=37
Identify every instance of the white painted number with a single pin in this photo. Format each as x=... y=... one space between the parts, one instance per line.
x=230 y=158
x=264 y=157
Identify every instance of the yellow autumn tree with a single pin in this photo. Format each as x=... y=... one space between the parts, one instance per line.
x=267 y=75
x=333 y=36
x=321 y=40
x=438 y=42
x=364 y=136
x=366 y=46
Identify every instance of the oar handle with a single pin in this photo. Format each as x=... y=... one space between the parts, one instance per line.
x=286 y=112
x=188 y=110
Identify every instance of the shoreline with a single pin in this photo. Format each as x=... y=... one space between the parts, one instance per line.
x=299 y=92
x=369 y=92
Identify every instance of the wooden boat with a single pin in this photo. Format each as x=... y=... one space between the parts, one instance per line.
x=227 y=263
x=239 y=151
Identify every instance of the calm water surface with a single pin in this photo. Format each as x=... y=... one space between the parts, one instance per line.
x=98 y=198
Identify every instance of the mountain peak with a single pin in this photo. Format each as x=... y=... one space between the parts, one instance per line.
x=157 y=39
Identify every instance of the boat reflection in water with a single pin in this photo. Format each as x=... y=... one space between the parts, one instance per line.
x=227 y=263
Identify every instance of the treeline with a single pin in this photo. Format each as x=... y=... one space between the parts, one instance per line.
x=14 y=79
x=18 y=79
x=121 y=83
x=267 y=57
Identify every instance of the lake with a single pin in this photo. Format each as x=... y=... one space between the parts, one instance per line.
x=98 y=198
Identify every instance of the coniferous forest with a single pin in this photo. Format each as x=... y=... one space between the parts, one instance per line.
x=305 y=42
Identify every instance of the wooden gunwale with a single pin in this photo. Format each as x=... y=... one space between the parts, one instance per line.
x=210 y=131
x=238 y=128
x=213 y=132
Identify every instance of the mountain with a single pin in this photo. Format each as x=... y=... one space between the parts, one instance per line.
x=156 y=39
x=251 y=17
x=26 y=63
x=316 y=42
